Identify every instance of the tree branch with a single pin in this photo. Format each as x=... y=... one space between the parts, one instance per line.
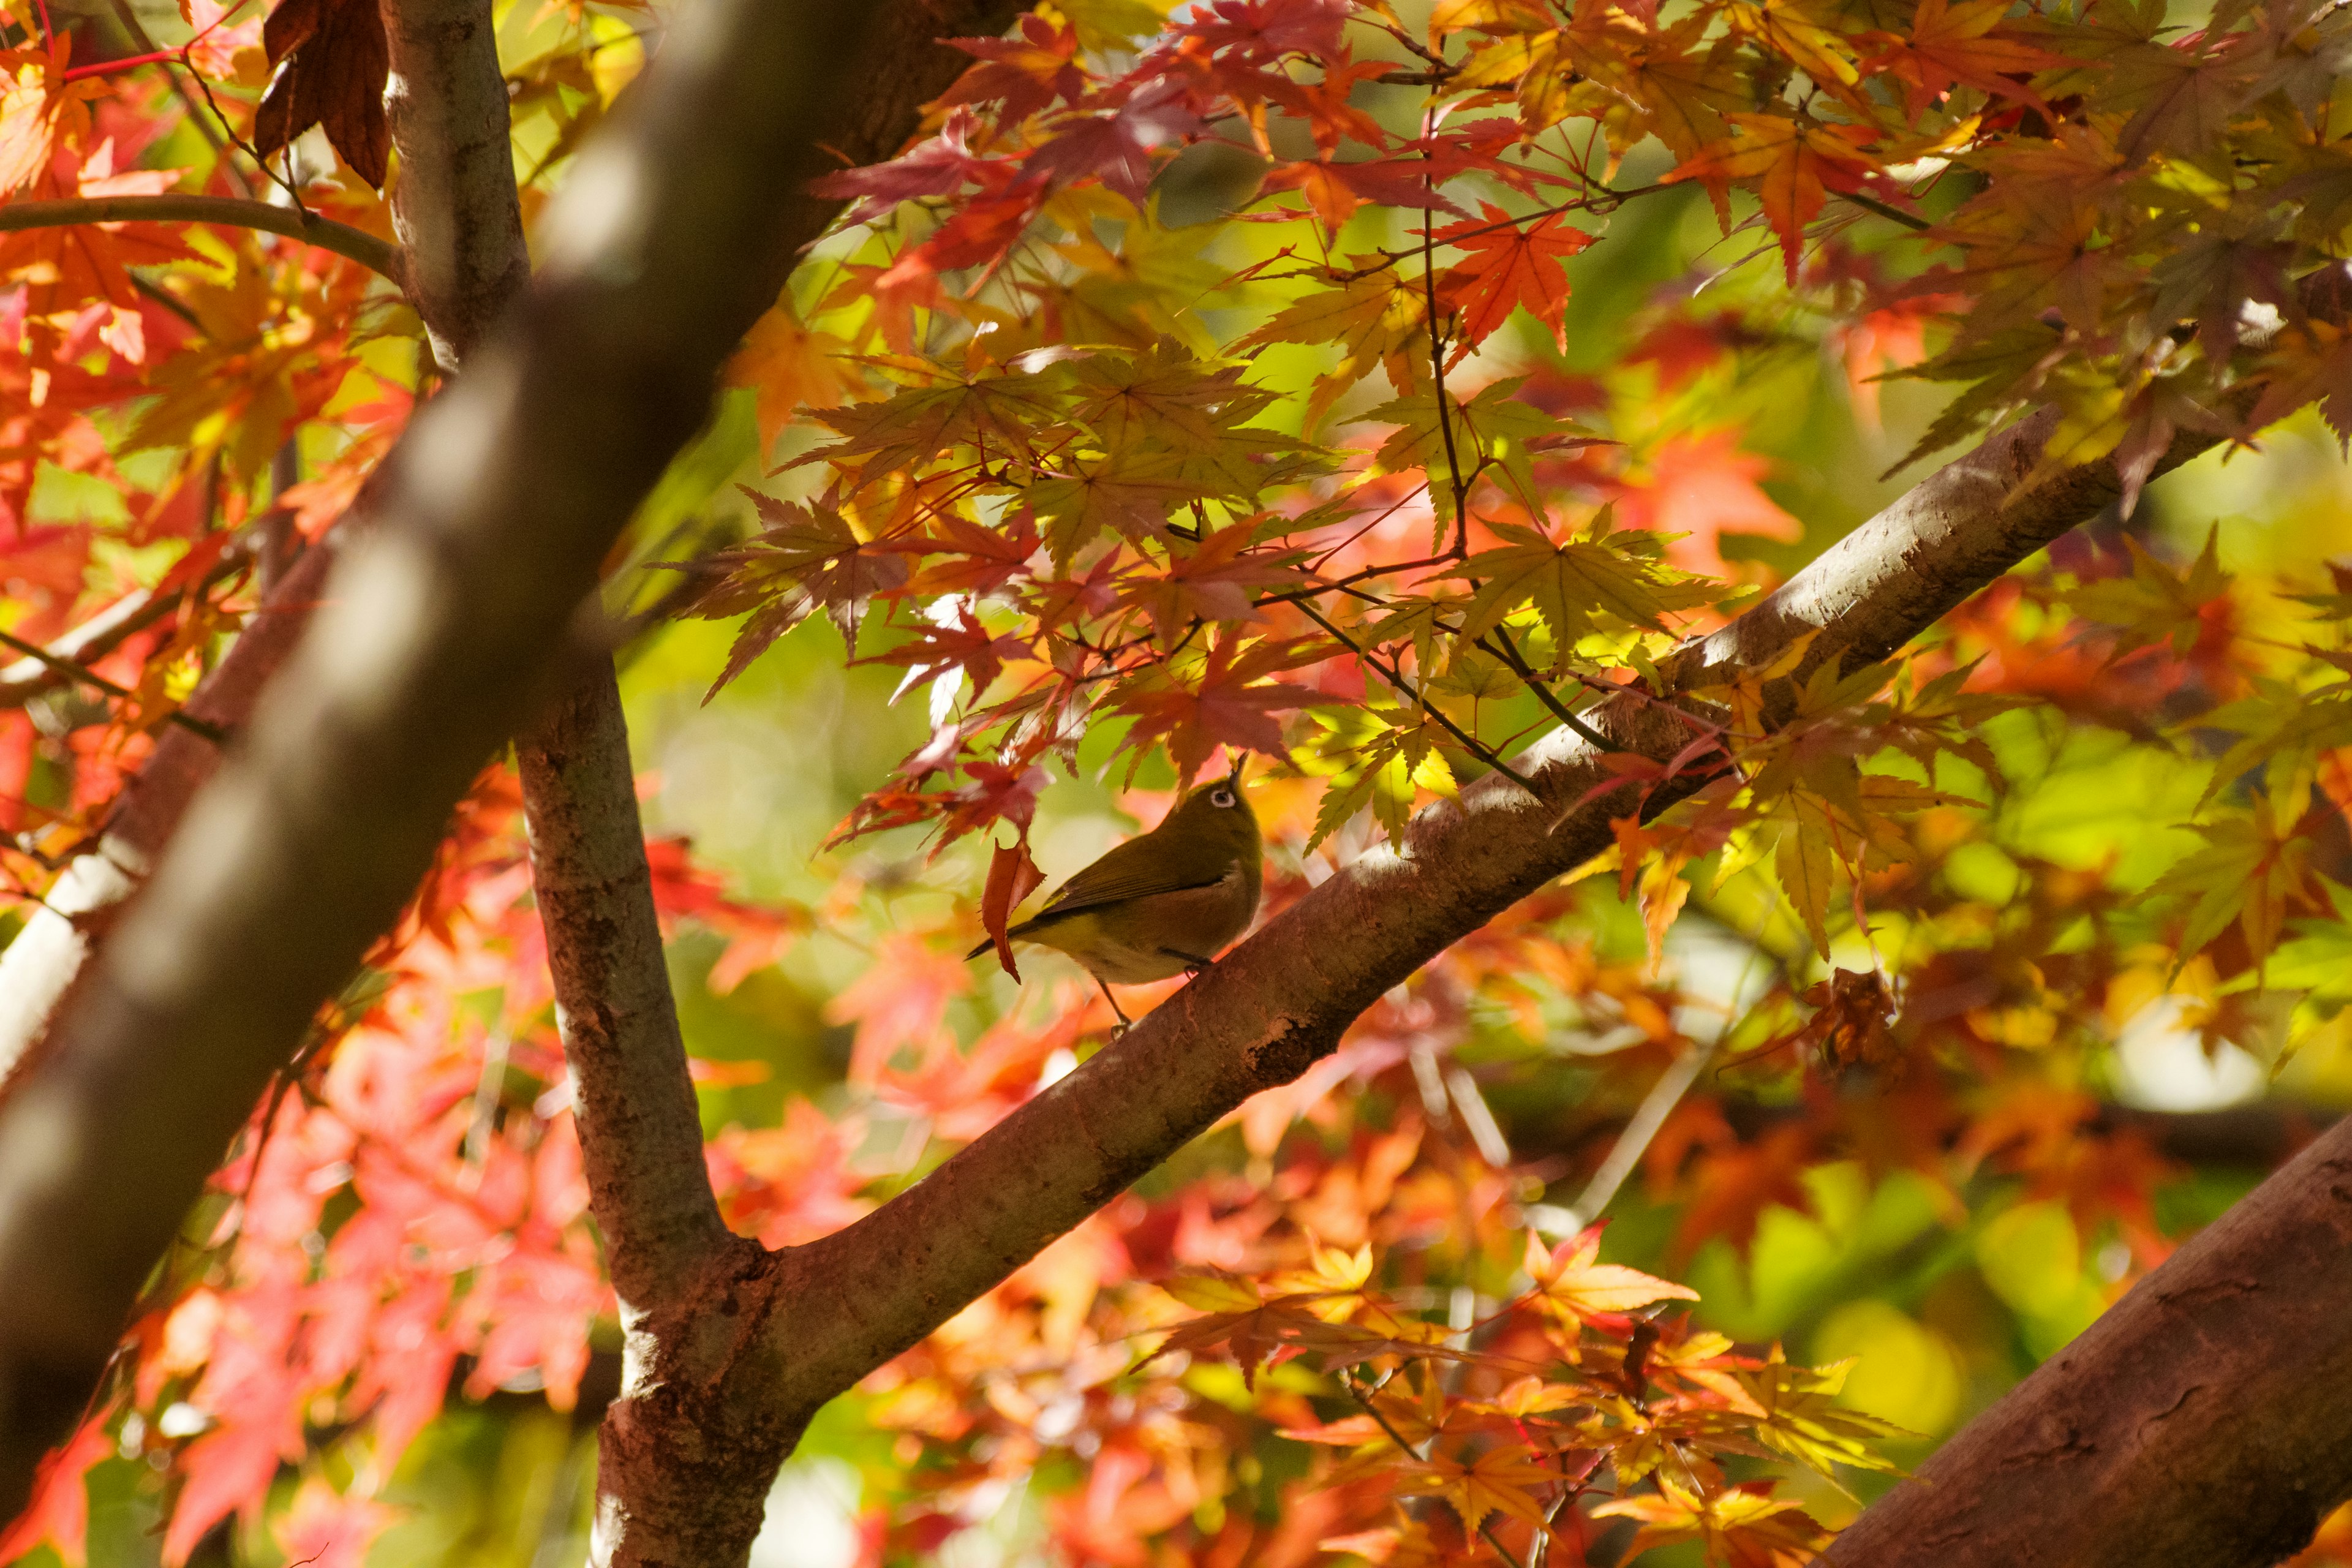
x=94 y=638
x=677 y=1481
x=1280 y=1001
x=2202 y=1419
x=674 y=233
x=456 y=207
x=229 y=212
x=43 y=963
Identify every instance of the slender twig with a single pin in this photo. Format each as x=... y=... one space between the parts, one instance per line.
x=1891 y=213
x=234 y=212
x=1509 y=653
x=1355 y=1393
x=1437 y=360
x=142 y=39
x=1395 y=673
x=247 y=148
x=1634 y=1142
x=169 y=300
x=72 y=671
x=94 y=638
x=1496 y=1541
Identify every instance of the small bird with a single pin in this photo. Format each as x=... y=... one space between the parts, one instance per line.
x=1162 y=904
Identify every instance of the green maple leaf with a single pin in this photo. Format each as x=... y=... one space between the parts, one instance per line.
x=1594 y=578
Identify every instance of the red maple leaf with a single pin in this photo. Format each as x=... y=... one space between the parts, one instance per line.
x=1506 y=265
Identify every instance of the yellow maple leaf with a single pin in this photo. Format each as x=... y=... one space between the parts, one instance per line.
x=1571 y=1285
x=790 y=366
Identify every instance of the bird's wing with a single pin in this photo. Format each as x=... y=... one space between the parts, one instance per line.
x=1123 y=873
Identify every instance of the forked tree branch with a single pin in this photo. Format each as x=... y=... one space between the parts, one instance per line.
x=497 y=508
x=229 y=212
x=673 y=234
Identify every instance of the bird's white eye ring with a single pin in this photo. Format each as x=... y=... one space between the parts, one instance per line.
x=1221 y=796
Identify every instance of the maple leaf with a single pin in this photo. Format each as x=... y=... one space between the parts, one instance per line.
x=1210 y=583
x=1013 y=876
x=2254 y=868
x=1572 y=1284
x=1495 y=1481
x=1023 y=74
x=1494 y=430
x=808 y=557
x=981 y=560
x=1962 y=45
x=70 y=268
x=59 y=1511
x=1595 y=574
x=1406 y=1545
x=999 y=416
x=1743 y=1526
x=1796 y=162
x=1130 y=491
x=2310 y=362
x=1253 y=1327
x=790 y=367
x=1375 y=756
x=39 y=109
x=1375 y=317
x=331 y=60
x=1796 y=1413
x=2156 y=603
x=952 y=642
x=1693 y=488
x=1509 y=266
x=1218 y=706
x=1791 y=28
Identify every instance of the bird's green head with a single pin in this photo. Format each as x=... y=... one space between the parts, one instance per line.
x=1217 y=817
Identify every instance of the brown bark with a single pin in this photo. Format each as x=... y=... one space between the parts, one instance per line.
x=495 y=509
x=2204 y=1419
x=682 y=1476
x=455 y=209
x=38 y=969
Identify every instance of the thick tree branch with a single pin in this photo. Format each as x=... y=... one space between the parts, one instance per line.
x=38 y=969
x=640 y=1128
x=850 y=1302
x=676 y=1482
x=667 y=242
x=456 y=207
x=2202 y=1419
x=229 y=212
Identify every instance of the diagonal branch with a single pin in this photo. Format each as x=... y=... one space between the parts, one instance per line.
x=674 y=233
x=1282 y=999
x=2205 y=1412
x=229 y=212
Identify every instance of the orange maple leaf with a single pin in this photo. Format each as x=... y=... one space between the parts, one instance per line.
x=1572 y=1284
x=1504 y=266
x=1796 y=162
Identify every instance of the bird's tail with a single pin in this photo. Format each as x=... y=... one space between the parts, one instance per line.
x=1021 y=932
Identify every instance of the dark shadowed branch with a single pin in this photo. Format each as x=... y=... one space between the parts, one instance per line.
x=671 y=236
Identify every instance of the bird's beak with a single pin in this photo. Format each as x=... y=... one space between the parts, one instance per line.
x=1234 y=779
